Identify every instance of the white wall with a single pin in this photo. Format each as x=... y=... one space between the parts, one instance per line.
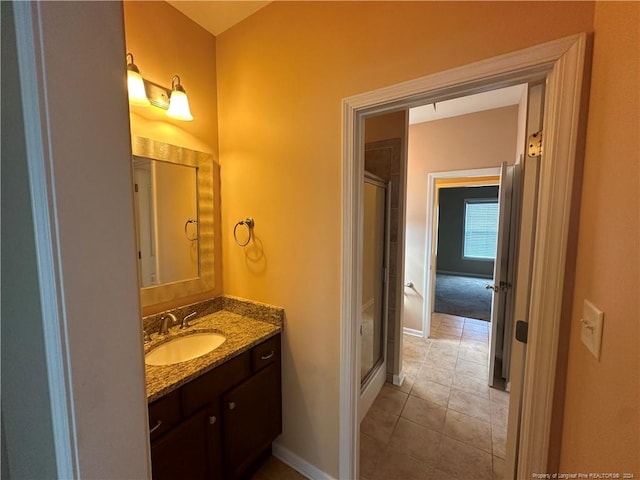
x=26 y=416
x=87 y=152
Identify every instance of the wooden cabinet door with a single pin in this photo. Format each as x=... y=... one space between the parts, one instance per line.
x=252 y=419
x=183 y=451
x=214 y=440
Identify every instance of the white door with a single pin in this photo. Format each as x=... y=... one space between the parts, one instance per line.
x=145 y=221
x=515 y=180
x=504 y=275
x=500 y=285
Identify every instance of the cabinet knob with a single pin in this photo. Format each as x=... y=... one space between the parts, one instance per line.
x=212 y=419
x=232 y=405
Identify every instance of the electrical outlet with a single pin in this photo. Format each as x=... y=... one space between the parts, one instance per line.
x=591 y=331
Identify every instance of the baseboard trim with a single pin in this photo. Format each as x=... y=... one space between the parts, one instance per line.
x=464 y=274
x=413 y=332
x=299 y=464
x=398 y=380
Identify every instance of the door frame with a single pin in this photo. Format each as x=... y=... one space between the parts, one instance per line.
x=431 y=232
x=561 y=64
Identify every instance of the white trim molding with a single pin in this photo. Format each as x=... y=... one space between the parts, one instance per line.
x=299 y=464
x=398 y=380
x=37 y=136
x=561 y=64
x=412 y=331
x=561 y=118
x=427 y=307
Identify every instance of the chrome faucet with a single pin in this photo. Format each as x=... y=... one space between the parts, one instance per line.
x=185 y=320
x=164 y=323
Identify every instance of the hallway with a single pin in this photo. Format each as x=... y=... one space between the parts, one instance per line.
x=444 y=422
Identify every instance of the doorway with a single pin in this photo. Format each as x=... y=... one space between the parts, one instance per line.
x=465 y=246
x=501 y=187
x=426 y=421
x=559 y=64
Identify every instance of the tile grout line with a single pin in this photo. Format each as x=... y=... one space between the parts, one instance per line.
x=428 y=352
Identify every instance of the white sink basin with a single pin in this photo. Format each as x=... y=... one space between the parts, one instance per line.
x=184 y=348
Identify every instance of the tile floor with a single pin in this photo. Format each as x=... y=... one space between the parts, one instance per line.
x=444 y=422
x=274 y=469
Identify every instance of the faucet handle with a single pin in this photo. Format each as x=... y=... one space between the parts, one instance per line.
x=185 y=320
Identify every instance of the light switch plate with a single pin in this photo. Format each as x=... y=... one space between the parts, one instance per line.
x=591 y=328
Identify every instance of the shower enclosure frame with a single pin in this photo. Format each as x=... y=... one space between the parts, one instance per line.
x=372 y=382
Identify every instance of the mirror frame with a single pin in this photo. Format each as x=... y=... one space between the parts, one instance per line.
x=156 y=150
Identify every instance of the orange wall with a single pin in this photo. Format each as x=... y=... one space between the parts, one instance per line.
x=164 y=42
x=601 y=423
x=478 y=140
x=282 y=74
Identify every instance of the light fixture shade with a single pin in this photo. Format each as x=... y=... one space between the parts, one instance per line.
x=178 y=102
x=137 y=93
x=135 y=84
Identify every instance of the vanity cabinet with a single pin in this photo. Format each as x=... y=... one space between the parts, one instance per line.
x=252 y=411
x=184 y=452
x=219 y=424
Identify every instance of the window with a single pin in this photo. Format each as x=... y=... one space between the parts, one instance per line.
x=480 y=229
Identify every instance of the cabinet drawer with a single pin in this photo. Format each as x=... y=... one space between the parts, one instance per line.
x=204 y=389
x=164 y=414
x=266 y=353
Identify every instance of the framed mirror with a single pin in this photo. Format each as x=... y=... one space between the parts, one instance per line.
x=173 y=193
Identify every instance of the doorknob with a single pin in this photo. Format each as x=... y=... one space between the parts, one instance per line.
x=504 y=286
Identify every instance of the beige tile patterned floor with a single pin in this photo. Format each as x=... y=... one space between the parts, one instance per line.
x=444 y=422
x=274 y=469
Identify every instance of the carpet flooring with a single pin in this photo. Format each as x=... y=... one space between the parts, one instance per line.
x=463 y=296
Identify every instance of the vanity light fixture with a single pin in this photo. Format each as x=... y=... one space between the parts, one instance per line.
x=144 y=93
x=178 y=101
x=135 y=84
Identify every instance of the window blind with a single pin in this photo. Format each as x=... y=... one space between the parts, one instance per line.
x=480 y=229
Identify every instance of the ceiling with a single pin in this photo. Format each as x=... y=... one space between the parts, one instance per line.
x=216 y=17
x=502 y=97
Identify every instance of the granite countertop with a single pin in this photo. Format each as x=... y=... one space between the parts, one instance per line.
x=241 y=331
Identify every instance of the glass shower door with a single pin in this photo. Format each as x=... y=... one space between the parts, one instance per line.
x=373 y=321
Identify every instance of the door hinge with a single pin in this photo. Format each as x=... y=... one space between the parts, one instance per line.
x=535 y=144
x=522 y=331
x=139 y=255
x=135 y=187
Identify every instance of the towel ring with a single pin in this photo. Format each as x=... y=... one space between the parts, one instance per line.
x=186 y=224
x=247 y=222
